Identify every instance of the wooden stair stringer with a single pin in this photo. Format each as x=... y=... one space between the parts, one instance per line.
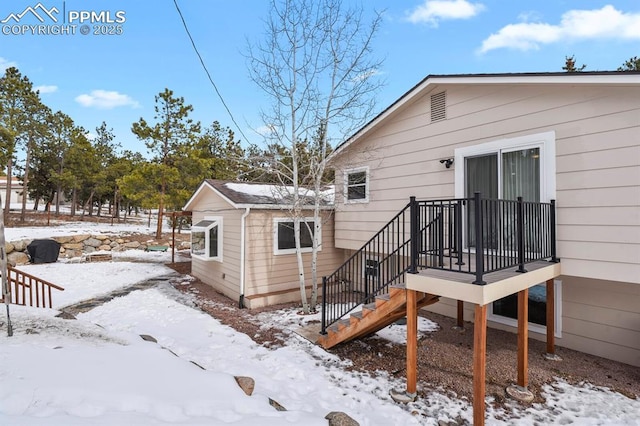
x=386 y=310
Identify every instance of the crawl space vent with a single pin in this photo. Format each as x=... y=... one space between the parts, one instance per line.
x=438 y=106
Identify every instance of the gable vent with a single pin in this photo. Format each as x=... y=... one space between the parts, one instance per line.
x=438 y=106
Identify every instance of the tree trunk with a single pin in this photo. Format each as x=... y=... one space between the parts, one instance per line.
x=74 y=200
x=303 y=289
x=25 y=182
x=7 y=201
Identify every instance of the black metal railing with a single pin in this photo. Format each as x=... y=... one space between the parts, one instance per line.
x=466 y=235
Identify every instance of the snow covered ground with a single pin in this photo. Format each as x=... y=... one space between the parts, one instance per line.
x=97 y=370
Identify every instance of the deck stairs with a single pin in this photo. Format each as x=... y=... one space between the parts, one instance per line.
x=385 y=310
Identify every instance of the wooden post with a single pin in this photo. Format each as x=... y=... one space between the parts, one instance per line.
x=523 y=337
x=412 y=342
x=479 y=363
x=460 y=319
x=551 y=317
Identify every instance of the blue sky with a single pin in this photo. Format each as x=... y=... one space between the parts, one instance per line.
x=114 y=78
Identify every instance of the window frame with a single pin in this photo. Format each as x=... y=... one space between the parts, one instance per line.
x=534 y=327
x=346 y=185
x=303 y=221
x=217 y=221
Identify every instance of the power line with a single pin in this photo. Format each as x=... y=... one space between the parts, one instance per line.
x=193 y=44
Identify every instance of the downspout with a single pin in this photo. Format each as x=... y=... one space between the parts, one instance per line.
x=242 y=256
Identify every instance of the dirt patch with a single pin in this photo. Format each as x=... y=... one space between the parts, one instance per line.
x=444 y=356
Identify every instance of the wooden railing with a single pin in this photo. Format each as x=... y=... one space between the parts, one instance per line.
x=28 y=290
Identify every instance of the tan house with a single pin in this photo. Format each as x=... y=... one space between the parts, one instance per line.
x=16 y=190
x=243 y=241
x=569 y=137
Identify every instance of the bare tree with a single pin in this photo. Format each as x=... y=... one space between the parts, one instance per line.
x=316 y=65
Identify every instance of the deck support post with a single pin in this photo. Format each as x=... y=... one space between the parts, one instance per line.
x=551 y=322
x=479 y=363
x=519 y=391
x=460 y=316
x=412 y=342
x=523 y=338
x=410 y=394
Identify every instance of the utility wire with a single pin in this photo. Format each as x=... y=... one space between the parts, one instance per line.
x=193 y=44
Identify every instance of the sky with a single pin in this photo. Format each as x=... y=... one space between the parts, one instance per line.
x=115 y=77
x=97 y=370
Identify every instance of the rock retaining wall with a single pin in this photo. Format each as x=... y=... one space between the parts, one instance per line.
x=79 y=245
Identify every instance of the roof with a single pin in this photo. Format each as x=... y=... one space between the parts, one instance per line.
x=261 y=195
x=426 y=84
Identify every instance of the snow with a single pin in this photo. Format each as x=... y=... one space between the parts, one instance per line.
x=276 y=191
x=97 y=370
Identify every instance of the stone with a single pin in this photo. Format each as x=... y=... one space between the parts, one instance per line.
x=132 y=244
x=120 y=241
x=89 y=249
x=8 y=248
x=17 y=258
x=21 y=245
x=105 y=248
x=519 y=393
x=80 y=238
x=275 y=404
x=148 y=338
x=92 y=242
x=101 y=237
x=73 y=246
x=338 y=418
x=247 y=384
x=402 y=396
x=113 y=244
x=63 y=240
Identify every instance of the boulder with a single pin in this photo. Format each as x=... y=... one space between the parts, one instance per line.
x=21 y=245
x=73 y=246
x=101 y=237
x=247 y=384
x=338 y=418
x=105 y=248
x=92 y=242
x=80 y=238
x=8 y=248
x=132 y=244
x=63 y=240
x=17 y=258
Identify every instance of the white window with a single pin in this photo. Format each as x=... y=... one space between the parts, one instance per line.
x=206 y=239
x=284 y=237
x=356 y=185
x=524 y=166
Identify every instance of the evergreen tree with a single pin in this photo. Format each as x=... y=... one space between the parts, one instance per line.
x=165 y=139
x=633 y=64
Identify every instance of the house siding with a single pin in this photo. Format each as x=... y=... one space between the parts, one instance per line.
x=268 y=273
x=597 y=134
x=223 y=276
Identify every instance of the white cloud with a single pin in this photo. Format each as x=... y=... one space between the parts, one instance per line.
x=433 y=11
x=46 y=89
x=4 y=64
x=367 y=75
x=605 y=23
x=266 y=130
x=105 y=99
